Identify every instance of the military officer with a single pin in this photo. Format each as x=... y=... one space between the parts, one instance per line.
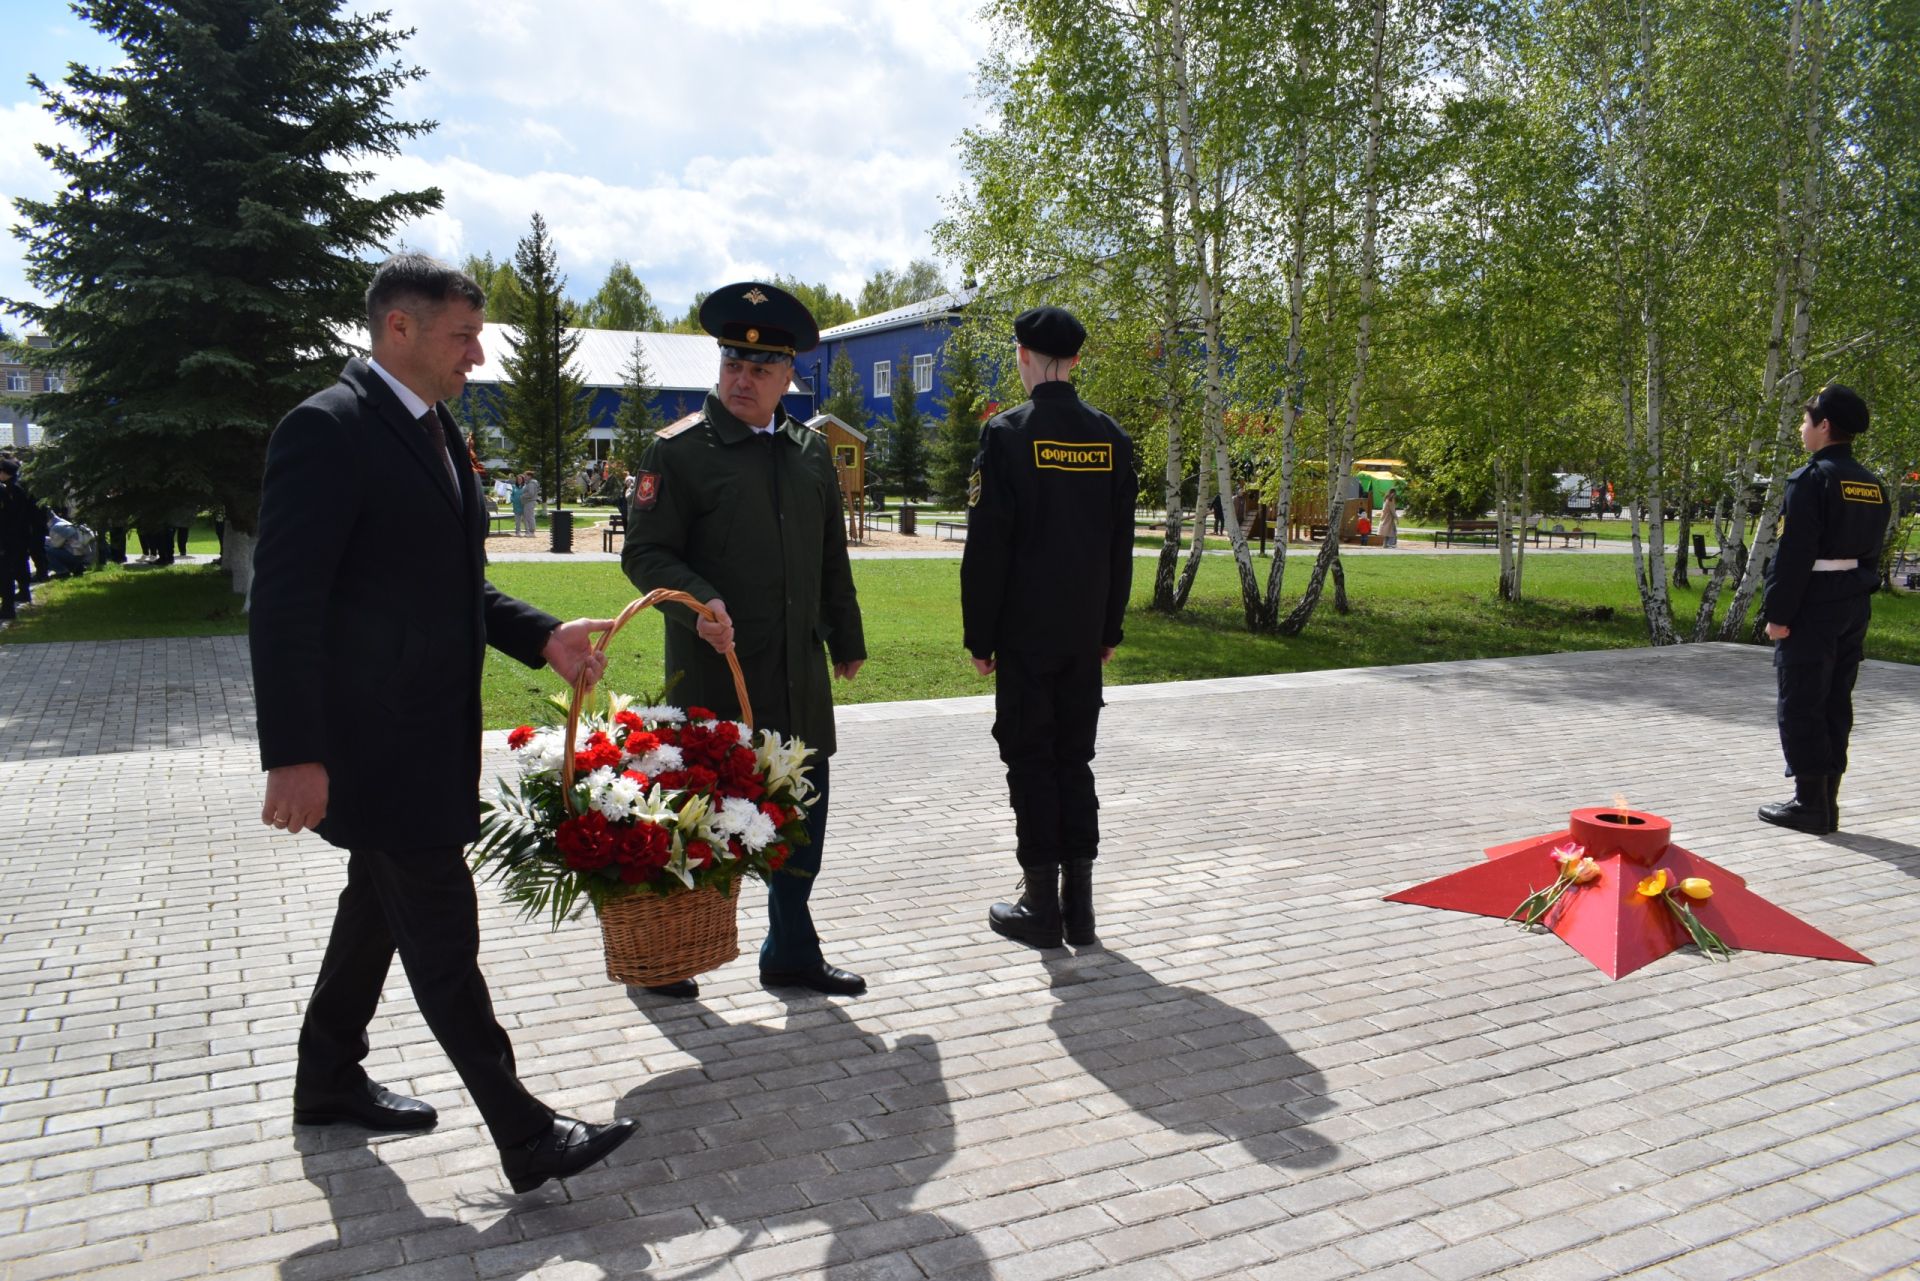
x=1817 y=605
x=1043 y=589
x=739 y=505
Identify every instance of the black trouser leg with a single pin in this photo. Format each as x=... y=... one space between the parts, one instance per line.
x=1814 y=670
x=792 y=943
x=1023 y=725
x=1077 y=709
x=430 y=915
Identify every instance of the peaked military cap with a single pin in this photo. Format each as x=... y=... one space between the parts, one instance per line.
x=1051 y=331
x=758 y=322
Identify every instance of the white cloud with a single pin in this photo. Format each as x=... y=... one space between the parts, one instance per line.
x=699 y=142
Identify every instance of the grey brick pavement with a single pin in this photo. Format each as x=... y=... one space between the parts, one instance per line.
x=1267 y=1072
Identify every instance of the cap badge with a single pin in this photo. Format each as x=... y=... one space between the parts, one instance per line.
x=753 y=335
x=755 y=297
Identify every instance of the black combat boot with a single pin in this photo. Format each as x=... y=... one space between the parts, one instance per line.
x=1035 y=919
x=1833 y=802
x=1076 y=901
x=1807 y=811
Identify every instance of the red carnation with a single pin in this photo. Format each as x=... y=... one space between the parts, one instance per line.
x=644 y=850
x=776 y=857
x=699 y=853
x=587 y=842
x=673 y=780
x=519 y=736
x=774 y=812
x=640 y=742
x=637 y=777
x=631 y=720
x=700 y=714
x=601 y=755
x=701 y=779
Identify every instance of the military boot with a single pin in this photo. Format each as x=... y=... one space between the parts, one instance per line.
x=1807 y=811
x=1076 y=901
x=1035 y=919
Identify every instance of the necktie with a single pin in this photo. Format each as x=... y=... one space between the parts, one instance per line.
x=437 y=441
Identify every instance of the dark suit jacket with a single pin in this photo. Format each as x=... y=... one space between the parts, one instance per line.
x=371 y=614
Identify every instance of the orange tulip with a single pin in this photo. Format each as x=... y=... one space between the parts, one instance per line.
x=1654 y=886
x=1584 y=872
x=1697 y=887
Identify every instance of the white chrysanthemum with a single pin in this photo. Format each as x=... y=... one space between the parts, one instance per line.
x=623 y=790
x=544 y=752
x=661 y=759
x=741 y=819
x=601 y=785
x=662 y=715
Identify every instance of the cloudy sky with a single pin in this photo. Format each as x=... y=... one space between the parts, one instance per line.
x=700 y=142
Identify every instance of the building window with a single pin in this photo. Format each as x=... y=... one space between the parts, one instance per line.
x=923 y=373
x=883 y=378
x=52 y=382
x=16 y=380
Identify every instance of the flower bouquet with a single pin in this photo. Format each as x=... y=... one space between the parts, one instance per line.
x=653 y=817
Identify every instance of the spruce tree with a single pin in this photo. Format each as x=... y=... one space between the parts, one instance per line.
x=906 y=436
x=843 y=392
x=537 y=360
x=959 y=438
x=636 y=423
x=210 y=247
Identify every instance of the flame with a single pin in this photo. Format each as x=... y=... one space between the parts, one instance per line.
x=1620 y=804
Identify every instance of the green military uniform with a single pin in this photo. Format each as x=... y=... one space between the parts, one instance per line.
x=756 y=520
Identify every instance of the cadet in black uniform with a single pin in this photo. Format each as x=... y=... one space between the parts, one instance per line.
x=1817 y=605
x=1043 y=588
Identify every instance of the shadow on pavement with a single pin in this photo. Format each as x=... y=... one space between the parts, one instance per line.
x=832 y=1125
x=1188 y=1060
x=371 y=1207
x=1904 y=857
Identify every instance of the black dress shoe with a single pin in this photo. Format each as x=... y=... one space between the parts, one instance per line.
x=566 y=1148
x=684 y=990
x=374 y=1106
x=819 y=978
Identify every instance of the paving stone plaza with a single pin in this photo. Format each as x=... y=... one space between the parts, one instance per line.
x=1265 y=1072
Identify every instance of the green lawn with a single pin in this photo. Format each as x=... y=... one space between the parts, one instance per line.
x=1407 y=609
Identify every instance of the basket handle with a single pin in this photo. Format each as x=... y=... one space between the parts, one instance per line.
x=584 y=686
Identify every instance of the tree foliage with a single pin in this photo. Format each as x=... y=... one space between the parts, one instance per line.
x=622 y=302
x=636 y=423
x=905 y=435
x=211 y=244
x=959 y=434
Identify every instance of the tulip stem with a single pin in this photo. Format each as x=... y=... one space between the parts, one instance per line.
x=1705 y=939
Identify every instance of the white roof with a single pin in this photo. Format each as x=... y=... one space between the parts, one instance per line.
x=913 y=313
x=816 y=421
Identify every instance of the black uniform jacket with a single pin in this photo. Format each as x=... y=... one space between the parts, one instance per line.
x=1049 y=559
x=371 y=615
x=1835 y=509
x=756 y=520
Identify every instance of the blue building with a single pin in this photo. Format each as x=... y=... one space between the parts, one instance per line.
x=906 y=342
x=682 y=369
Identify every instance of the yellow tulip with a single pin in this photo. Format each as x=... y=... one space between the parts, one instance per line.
x=1654 y=886
x=1584 y=872
x=1697 y=887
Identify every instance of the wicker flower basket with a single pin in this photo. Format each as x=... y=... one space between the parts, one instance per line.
x=650 y=939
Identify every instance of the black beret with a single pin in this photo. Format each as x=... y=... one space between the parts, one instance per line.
x=758 y=322
x=1052 y=331
x=1841 y=407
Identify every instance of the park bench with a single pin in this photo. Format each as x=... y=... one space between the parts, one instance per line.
x=880 y=518
x=950 y=529
x=616 y=524
x=1482 y=531
x=494 y=520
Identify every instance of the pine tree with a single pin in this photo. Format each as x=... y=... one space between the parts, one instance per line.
x=622 y=303
x=209 y=247
x=906 y=434
x=843 y=392
x=537 y=360
x=635 y=424
x=959 y=438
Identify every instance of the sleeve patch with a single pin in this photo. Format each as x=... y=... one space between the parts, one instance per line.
x=973 y=489
x=646 y=491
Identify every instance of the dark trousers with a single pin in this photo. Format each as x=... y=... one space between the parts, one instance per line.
x=1046 y=714
x=180 y=533
x=1814 y=668
x=18 y=577
x=421 y=904
x=792 y=943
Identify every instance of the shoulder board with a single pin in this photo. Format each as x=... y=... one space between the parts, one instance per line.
x=674 y=429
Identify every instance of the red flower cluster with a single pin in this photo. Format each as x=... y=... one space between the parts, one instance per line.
x=590 y=843
x=599 y=752
x=519 y=736
x=717 y=750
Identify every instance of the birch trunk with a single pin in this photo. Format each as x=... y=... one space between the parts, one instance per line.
x=1807 y=244
x=1650 y=563
x=1167 y=596
x=236 y=557
x=1207 y=279
x=1290 y=392
x=1370 y=221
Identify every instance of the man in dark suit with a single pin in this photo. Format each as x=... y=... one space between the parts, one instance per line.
x=366 y=663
